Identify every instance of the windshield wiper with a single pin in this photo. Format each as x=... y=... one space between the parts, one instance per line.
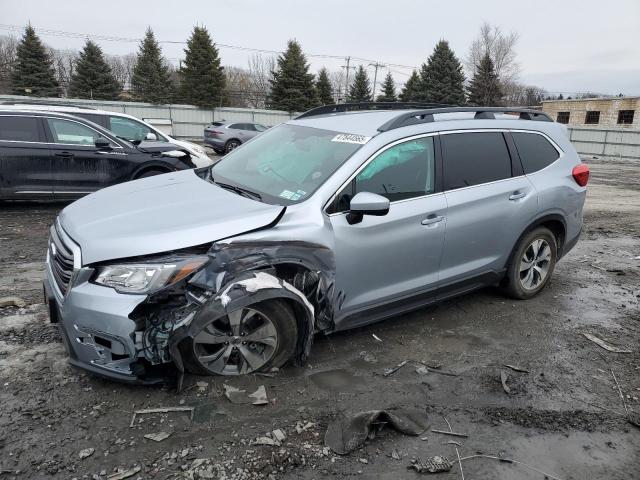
x=239 y=190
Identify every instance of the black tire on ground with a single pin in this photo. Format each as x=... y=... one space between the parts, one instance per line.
x=513 y=285
x=286 y=326
x=219 y=151
x=150 y=173
x=231 y=145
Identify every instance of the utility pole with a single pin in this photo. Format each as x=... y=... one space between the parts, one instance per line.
x=346 y=86
x=375 y=78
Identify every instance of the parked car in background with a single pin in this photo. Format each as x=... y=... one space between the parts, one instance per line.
x=330 y=221
x=122 y=125
x=226 y=136
x=50 y=155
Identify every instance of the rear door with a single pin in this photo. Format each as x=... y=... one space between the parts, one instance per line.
x=489 y=204
x=78 y=166
x=25 y=164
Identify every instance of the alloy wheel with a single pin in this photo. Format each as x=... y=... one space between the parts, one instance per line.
x=240 y=343
x=535 y=263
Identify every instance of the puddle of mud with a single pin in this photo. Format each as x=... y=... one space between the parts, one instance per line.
x=335 y=380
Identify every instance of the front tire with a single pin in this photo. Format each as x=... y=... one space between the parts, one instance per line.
x=255 y=338
x=532 y=264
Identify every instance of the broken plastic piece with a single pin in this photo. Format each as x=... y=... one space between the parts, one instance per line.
x=605 y=345
x=435 y=464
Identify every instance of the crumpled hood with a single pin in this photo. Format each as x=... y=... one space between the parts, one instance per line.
x=158 y=214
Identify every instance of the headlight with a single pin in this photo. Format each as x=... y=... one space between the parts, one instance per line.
x=147 y=277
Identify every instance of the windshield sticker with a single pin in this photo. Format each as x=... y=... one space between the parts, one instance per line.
x=349 y=138
x=287 y=194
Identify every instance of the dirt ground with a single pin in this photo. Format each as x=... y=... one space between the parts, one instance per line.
x=564 y=417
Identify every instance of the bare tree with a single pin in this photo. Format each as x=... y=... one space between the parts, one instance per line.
x=63 y=64
x=238 y=87
x=500 y=47
x=122 y=68
x=8 y=47
x=261 y=70
x=517 y=94
x=338 y=87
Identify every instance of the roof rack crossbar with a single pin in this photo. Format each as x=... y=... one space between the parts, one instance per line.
x=350 y=107
x=427 y=115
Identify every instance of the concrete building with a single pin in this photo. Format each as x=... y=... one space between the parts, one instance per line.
x=608 y=113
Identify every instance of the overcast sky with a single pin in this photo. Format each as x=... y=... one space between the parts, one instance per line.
x=564 y=46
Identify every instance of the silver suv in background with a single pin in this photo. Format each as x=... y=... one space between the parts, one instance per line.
x=122 y=125
x=330 y=221
x=226 y=136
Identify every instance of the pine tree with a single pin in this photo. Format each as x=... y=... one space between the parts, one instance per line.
x=292 y=86
x=484 y=90
x=202 y=77
x=92 y=77
x=410 y=90
x=150 y=81
x=441 y=78
x=323 y=87
x=388 y=90
x=33 y=72
x=360 y=90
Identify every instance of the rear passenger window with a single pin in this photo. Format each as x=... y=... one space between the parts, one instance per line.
x=19 y=129
x=474 y=158
x=535 y=151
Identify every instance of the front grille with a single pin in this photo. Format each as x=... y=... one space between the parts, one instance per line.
x=61 y=261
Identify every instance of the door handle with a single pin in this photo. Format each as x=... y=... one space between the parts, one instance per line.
x=64 y=154
x=517 y=195
x=432 y=219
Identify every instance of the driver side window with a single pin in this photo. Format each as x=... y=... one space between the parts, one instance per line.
x=404 y=171
x=129 y=129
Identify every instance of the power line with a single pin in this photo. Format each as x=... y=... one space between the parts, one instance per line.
x=111 y=38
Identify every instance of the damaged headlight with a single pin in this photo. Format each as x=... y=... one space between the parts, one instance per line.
x=147 y=277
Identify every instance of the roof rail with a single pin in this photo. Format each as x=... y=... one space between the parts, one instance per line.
x=426 y=116
x=44 y=104
x=349 y=107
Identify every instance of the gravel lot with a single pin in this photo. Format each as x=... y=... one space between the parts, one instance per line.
x=565 y=417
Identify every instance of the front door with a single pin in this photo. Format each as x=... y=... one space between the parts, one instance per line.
x=385 y=264
x=78 y=166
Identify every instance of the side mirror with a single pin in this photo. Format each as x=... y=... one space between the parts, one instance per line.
x=102 y=143
x=151 y=137
x=367 y=203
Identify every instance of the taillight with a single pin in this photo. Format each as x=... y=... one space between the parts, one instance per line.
x=581 y=174
x=212 y=133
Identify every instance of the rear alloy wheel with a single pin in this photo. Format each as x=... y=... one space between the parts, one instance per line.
x=532 y=264
x=231 y=145
x=250 y=339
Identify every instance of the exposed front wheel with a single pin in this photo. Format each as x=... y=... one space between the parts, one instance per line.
x=250 y=339
x=532 y=264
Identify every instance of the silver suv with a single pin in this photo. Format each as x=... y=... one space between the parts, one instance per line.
x=226 y=136
x=333 y=220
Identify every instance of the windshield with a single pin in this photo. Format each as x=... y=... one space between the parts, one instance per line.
x=285 y=164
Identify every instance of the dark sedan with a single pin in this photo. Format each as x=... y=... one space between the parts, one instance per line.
x=47 y=155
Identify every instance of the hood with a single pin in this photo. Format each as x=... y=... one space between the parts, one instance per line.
x=159 y=214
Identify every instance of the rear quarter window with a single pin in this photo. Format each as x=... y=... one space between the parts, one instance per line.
x=474 y=158
x=535 y=151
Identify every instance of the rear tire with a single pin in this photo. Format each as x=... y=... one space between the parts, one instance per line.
x=231 y=145
x=151 y=173
x=204 y=354
x=532 y=264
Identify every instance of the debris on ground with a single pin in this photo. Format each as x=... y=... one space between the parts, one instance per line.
x=266 y=441
x=86 y=452
x=376 y=337
x=391 y=371
x=157 y=437
x=122 y=474
x=453 y=442
x=304 y=426
x=446 y=432
x=422 y=370
x=368 y=357
x=202 y=386
x=259 y=396
x=517 y=369
x=395 y=454
x=279 y=435
x=605 y=345
x=435 y=464
x=503 y=378
x=348 y=433
x=12 y=302
x=160 y=410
